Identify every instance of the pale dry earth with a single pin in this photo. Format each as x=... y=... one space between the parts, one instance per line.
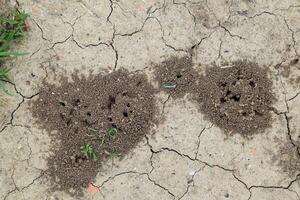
x=186 y=157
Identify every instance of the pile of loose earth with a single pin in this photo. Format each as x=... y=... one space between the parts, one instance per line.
x=105 y=116
x=237 y=98
x=177 y=76
x=92 y=120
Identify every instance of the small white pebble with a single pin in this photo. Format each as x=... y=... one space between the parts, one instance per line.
x=192 y=173
x=224 y=67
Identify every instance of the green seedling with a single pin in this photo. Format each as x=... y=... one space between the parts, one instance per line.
x=12 y=28
x=6 y=55
x=94 y=157
x=3 y=78
x=88 y=151
x=112 y=133
x=4 y=74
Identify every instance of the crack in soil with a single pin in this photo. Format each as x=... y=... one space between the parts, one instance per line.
x=160 y=186
x=114 y=176
x=191 y=185
x=203 y=130
x=199 y=139
x=294 y=97
x=111 y=10
x=202 y=162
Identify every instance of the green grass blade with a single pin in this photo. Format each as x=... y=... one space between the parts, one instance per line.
x=2 y=87
x=12 y=28
x=9 y=21
x=4 y=73
x=7 y=53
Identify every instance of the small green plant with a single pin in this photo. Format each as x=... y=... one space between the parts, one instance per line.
x=12 y=28
x=3 y=78
x=88 y=151
x=112 y=133
x=4 y=74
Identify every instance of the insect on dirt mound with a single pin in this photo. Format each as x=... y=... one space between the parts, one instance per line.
x=93 y=120
x=176 y=76
x=237 y=98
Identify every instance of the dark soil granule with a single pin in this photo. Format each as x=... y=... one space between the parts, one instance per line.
x=238 y=98
x=176 y=76
x=91 y=120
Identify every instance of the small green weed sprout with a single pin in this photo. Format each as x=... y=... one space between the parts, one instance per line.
x=4 y=74
x=112 y=133
x=12 y=28
x=4 y=77
x=88 y=151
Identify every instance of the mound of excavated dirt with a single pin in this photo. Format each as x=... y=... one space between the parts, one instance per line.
x=237 y=98
x=93 y=119
x=176 y=76
x=288 y=158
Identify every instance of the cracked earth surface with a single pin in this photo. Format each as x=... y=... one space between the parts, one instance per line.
x=186 y=157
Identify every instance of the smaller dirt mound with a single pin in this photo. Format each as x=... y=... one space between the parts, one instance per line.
x=176 y=76
x=92 y=120
x=288 y=159
x=237 y=98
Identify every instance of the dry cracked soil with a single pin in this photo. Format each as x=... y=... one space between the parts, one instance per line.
x=154 y=99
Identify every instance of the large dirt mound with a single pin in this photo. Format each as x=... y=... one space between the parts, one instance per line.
x=93 y=119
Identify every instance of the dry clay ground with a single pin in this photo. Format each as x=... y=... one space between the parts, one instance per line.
x=188 y=157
